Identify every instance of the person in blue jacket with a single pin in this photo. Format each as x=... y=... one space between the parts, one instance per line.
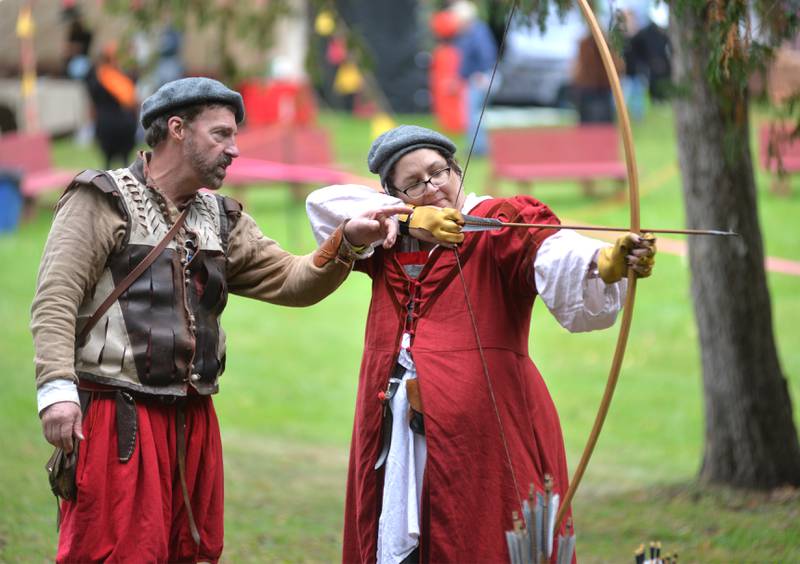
x=478 y=55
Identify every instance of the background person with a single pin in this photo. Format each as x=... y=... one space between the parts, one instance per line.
x=590 y=84
x=114 y=102
x=78 y=43
x=478 y=51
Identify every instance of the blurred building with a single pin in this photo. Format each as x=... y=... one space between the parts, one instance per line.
x=536 y=65
x=62 y=102
x=200 y=48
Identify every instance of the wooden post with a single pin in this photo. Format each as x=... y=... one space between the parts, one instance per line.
x=27 y=55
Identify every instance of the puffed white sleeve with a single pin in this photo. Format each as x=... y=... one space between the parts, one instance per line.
x=328 y=207
x=566 y=279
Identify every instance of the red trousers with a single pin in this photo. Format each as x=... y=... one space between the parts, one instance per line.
x=134 y=511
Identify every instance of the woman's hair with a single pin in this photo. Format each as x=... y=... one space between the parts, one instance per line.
x=449 y=158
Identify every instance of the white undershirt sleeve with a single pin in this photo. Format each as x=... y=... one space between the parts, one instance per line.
x=328 y=207
x=566 y=279
x=54 y=391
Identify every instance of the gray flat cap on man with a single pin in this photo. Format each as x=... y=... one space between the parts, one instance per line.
x=389 y=147
x=188 y=92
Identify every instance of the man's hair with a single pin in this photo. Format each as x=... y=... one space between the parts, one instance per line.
x=391 y=189
x=159 y=129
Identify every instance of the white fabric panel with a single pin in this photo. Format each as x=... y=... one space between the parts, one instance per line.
x=579 y=300
x=399 y=523
x=330 y=206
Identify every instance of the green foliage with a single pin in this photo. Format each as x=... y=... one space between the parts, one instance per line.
x=737 y=50
x=252 y=22
x=537 y=11
x=357 y=49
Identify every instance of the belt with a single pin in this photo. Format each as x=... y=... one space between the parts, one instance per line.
x=141 y=397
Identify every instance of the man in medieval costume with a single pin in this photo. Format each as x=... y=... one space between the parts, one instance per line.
x=453 y=421
x=126 y=324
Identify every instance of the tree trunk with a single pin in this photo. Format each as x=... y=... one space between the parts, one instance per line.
x=750 y=437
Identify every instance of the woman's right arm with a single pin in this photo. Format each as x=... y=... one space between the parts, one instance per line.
x=328 y=207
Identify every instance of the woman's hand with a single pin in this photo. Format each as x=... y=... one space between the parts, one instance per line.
x=437 y=225
x=630 y=251
x=374 y=225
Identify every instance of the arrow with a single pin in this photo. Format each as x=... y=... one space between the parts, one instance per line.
x=475 y=223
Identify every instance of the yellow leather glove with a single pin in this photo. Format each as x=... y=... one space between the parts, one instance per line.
x=630 y=250
x=443 y=223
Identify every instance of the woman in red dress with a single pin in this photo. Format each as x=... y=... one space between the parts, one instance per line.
x=453 y=421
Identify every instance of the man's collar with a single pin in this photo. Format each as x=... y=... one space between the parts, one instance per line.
x=138 y=167
x=141 y=171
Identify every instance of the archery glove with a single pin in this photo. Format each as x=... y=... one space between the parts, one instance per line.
x=444 y=224
x=636 y=251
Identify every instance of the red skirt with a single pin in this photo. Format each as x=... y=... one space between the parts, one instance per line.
x=134 y=511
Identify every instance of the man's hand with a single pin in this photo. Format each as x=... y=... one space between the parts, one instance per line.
x=374 y=225
x=437 y=225
x=635 y=251
x=61 y=422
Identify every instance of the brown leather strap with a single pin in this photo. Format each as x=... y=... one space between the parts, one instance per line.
x=336 y=248
x=329 y=248
x=180 y=419
x=97 y=178
x=132 y=276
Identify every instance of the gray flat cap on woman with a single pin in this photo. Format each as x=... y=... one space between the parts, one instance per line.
x=389 y=147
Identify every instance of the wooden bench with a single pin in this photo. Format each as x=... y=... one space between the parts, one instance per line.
x=583 y=153
x=30 y=155
x=780 y=154
x=297 y=155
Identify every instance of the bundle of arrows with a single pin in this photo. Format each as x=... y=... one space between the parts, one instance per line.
x=655 y=555
x=531 y=540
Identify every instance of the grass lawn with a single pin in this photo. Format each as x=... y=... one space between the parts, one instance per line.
x=287 y=396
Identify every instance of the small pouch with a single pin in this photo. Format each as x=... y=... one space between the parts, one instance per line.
x=61 y=472
x=62 y=468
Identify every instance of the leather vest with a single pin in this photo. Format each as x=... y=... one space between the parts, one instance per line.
x=163 y=334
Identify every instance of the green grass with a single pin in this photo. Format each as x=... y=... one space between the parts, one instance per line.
x=287 y=397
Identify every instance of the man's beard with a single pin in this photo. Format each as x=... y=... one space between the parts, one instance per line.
x=211 y=173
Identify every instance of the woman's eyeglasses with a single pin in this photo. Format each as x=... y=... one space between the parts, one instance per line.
x=437 y=179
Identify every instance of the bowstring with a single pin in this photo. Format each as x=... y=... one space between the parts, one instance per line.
x=486 y=96
x=472 y=319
